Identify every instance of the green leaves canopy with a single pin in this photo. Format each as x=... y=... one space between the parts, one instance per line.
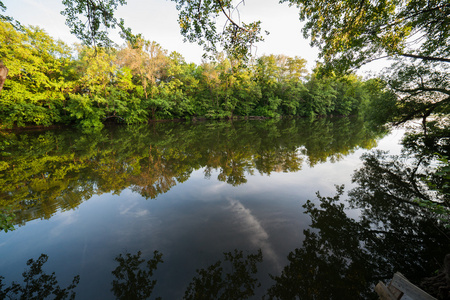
x=352 y=32
x=89 y=20
x=198 y=20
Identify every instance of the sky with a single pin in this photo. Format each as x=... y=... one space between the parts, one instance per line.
x=157 y=21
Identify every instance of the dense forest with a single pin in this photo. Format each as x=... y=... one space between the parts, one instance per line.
x=50 y=83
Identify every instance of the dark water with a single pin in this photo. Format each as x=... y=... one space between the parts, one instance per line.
x=194 y=191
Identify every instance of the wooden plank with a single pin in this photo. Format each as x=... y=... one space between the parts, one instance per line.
x=383 y=292
x=395 y=291
x=409 y=289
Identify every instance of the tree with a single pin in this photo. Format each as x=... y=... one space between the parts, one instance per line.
x=230 y=278
x=147 y=60
x=140 y=79
x=34 y=91
x=347 y=32
x=198 y=23
x=422 y=89
x=343 y=257
x=415 y=33
x=350 y=33
x=89 y=20
x=319 y=98
x=45 y=172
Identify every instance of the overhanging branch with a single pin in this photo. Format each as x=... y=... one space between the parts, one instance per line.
x=431 y=58
x=229 y=18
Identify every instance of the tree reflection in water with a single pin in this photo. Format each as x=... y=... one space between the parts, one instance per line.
x=43 y=172
x=134 y=276
x=399 y=228
x=37 y=284
x=232 y=278
x=341 y=257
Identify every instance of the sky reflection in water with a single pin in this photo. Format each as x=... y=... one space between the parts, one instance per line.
x=202 y=213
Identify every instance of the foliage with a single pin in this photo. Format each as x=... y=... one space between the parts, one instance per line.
x=89 y=20
x=231 y=278
x=33 y=92
x=6 y=220
x=86 y=110
x=37 y=284
x=141 y=81
x=443 y=173
x=350 y=33
x=198 y=23
x=402 y=181
x=414 y=33
x=421 y=88
x=132 y=281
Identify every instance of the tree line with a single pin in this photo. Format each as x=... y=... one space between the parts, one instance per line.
x=50 y=83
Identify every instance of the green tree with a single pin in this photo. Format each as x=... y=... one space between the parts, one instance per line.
x=350 y=33
x=415 y=33
x=422 y=89
x=36 y=85
x=318 y=98
x=198 y=23
x=89 y=20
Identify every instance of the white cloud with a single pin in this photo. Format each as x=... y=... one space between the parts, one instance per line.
x=258 y=236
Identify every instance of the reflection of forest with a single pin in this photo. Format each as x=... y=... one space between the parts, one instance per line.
x=402 y=226
x=343 y=258
x=41 y=172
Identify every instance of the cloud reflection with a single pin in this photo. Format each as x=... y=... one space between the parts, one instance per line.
x=133 y=211
x=258 y=235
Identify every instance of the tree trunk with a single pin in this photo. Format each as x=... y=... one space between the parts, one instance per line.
x=3 y=72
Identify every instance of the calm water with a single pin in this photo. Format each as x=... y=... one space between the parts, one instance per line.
x=194 y=191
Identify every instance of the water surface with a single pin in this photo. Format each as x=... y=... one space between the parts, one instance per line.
x=192 y=191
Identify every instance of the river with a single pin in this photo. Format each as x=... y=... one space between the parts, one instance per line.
x=96 y=203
